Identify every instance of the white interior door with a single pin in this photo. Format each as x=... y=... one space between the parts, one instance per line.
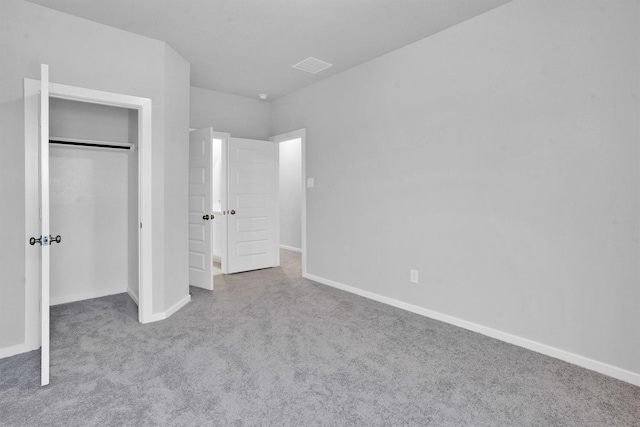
x=252 y=220
x=200 y=209
x=44 y=224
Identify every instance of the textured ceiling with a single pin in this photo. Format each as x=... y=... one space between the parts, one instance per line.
x=247 y=47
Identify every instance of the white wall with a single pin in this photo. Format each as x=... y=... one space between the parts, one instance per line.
x=290 y=193
x=240 y=116
x=85 y=54
x=500 y=158
x=83 y=120
x=89 y=209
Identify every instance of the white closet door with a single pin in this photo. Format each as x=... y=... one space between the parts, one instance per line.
x=44 y=224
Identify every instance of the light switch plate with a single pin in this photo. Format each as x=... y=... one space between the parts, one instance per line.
x=310 y=183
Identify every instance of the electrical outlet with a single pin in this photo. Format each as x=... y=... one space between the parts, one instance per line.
x=414 y=276
x=310 y=183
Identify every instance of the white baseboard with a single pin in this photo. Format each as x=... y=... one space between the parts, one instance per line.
x=167 y=313
x=177 y=306
x=15 y=349
x=82 y=296
x=290 y=248
x=133 y=296
x=585 y=362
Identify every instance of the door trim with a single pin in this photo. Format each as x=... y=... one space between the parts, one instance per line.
x=299 y=133
x=145 y=211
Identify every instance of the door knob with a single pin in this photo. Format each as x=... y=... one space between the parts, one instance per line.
x=232 y=212
x=205 y=217
x=212 y=216
x=45 y=241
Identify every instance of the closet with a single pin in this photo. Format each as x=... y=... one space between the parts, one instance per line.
x=93 y=200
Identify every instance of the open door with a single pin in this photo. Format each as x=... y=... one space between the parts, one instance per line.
x=200 y=209
x=44 y=239
x=252 y=228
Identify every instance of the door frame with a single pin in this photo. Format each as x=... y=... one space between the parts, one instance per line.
x=145 y=211
x=295 y=134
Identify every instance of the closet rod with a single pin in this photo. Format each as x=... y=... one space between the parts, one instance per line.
x=91 y=144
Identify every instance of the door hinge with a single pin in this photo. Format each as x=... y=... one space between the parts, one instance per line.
x=140 y=226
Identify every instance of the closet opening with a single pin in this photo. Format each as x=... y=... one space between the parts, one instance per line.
x=93 y=178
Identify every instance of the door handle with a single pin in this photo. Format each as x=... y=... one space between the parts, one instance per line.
x=205 y=217
x=45 y=241
x=232 y=212
x=212 y=216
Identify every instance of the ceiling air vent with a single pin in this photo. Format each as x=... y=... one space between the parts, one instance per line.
x=312 y=65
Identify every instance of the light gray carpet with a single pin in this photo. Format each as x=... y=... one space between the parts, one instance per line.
x=270 y=348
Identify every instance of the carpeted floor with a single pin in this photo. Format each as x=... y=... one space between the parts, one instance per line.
x=270 y=348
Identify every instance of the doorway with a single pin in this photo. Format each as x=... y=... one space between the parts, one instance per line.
x=93 y=186
x=290 y=171
x=233 y=205
x=293 y=192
